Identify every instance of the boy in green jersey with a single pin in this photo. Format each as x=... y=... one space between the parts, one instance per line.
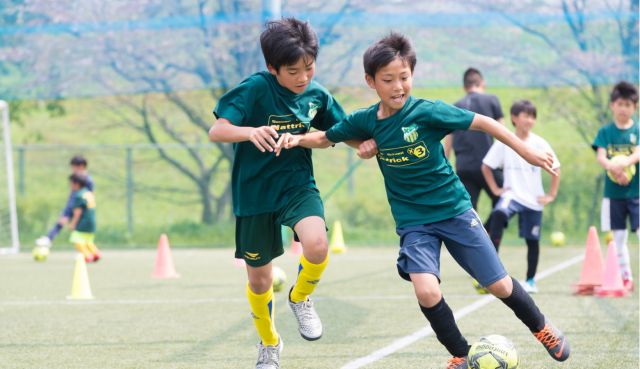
x=428 y=201
x=83 y=218
x=619 y=140
x=270 y=191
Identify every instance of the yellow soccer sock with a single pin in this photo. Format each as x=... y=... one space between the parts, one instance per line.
x=263 y=312
x=93 y=248
x=308 y=277
x=83 y=249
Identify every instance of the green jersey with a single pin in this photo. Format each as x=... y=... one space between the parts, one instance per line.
x=262 y=182
x=420 y=183
x=618 y=142
x=85 y=200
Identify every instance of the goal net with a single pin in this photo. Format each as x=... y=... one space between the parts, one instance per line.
x=9 y=241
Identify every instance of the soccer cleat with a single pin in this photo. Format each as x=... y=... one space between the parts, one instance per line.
x=479 y=289
x=309 y=324
x=554 y=341
x=628 y=284
x=269 y=356
x=89 y=259
x=97 y=256
x=457 y=363
x=529 y=286
x=43 y=241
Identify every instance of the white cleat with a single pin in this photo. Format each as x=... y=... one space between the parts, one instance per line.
x=309 y=324
x=269 y=356
x=529 y=286
x=43 y=241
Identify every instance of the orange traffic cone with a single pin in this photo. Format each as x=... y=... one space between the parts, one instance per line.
x=592 y=268
x=164 y=260
x=296 y=247
x=612 y=282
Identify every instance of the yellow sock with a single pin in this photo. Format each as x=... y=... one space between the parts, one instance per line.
x=83 y=249
x=308 y=277
x=263 y=311
x=93 y=248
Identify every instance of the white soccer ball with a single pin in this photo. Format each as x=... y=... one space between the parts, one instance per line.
x=279 y=279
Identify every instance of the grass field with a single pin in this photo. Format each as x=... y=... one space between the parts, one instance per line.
x=201 y=320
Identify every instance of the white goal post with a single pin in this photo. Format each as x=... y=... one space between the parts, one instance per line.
x=9 y=240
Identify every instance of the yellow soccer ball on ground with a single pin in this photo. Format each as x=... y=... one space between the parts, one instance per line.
x=558 y=239
x=629 y=171
x=279 y=279
x=40 y=253
x=493 y=352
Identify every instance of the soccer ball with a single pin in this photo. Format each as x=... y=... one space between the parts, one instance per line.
x=493 y=352
x=629 y=171
x=557 y=239
x=40 y=253
x=279 y=279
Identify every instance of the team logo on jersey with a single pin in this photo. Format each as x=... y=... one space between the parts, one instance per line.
x=252 y=255
x=288 y=124
x=410 y=134
x=633 y=138
x=404 y=156
x=313 y=109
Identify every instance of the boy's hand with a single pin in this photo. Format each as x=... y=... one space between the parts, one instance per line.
x=499 y=191
x=368 y=149
x=621 y=178
x=546 y=199
x=542 y=159
x=287 y=141
x=264 y=138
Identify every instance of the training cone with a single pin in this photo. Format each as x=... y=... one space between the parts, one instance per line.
x=612 y=281
x=80 y=288
x=337 y=241
x=592 y=267
x=164 y=261
x=296 y=247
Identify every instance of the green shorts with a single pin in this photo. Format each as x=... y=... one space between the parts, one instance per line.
x=81 y=237
x=259 y=237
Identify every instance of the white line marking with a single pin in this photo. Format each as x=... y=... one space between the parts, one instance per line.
x=424 y=332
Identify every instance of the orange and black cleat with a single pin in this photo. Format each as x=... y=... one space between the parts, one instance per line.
x=457 y=363
x=554 y=341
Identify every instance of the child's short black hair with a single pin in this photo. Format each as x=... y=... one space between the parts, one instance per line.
x=523 y=106
x=287 y=40
x=79 y=179
x=78 y=160
x=380 y=54
x=624 y=90
x=472 y=77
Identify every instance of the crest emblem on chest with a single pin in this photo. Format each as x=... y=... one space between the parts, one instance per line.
x=410 y=133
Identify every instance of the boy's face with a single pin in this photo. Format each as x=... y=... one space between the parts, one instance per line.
x=78 y=169
x=523 y=121
x=392 y=83
x=295 y=77
x=74 y=186
x=623 y=110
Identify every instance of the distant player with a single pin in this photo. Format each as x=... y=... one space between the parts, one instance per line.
x=83 y=218
x=523 y=192
x=270 y=191
x=428 y=202
x=620 y=138
x=78 y=166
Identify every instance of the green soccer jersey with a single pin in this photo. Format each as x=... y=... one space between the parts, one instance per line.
x=262 y=182
x=618 y=142
x=85 y=200
x=420 y=183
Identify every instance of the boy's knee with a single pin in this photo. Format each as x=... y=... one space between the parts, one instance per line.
x=502 y=288
x=316 y=250
x=260 y=284
x=428 y=297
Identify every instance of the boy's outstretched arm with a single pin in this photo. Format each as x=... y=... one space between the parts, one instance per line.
x=264 y=138
x=318 y=140
x=535 y=157
x=77 y=213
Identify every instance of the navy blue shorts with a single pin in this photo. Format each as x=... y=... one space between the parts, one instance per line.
x=615 y=212
x=465 y=238
x=529 y=221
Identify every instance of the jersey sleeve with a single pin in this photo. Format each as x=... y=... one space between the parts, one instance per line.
x=449 y=117
x=353 y=127
x=495 y=156
x=236 y=105
x=78 y=202
x=331 y=114
x=600 y=140
x=496 y=108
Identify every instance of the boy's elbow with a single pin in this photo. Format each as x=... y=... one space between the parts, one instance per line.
x=213 y=134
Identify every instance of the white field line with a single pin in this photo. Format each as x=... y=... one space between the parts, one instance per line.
x=424 y=332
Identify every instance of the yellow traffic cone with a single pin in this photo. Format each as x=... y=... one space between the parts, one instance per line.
x=80 y=288
x=337 y=241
